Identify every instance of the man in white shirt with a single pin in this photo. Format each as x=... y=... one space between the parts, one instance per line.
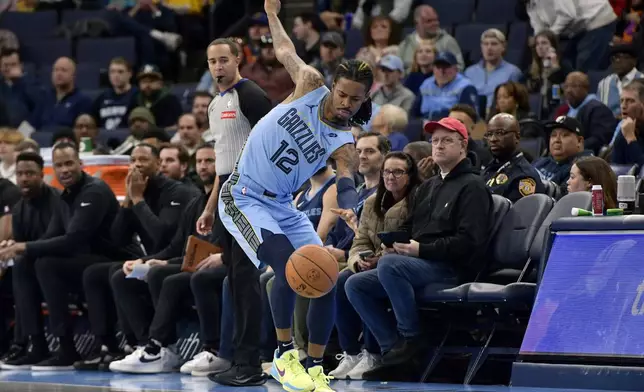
x=587 y=24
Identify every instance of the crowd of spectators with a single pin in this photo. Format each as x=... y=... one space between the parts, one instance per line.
x=442 y=118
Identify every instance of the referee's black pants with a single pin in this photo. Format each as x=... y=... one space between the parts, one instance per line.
x=27 y=296
x=136 y=298
x=58 y=277
x=177 y=291
x=102 y=311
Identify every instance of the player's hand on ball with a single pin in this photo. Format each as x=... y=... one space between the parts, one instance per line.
x=272 y=6
x=411 y=249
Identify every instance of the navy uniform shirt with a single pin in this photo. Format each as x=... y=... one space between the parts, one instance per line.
x=513 y=179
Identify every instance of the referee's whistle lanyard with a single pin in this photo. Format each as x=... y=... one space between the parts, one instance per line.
x=490 y=182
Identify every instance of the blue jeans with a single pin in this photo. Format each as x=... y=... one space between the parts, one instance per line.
x=590 y=50
x=395 y=279
x=348 y=322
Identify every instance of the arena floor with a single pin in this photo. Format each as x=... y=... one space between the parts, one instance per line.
x=25 y=381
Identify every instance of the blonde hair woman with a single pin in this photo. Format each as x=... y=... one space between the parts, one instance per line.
x=422 y=67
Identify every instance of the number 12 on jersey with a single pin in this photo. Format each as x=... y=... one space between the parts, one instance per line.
x=285 y=158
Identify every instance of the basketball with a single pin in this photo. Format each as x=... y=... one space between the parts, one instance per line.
x=312 y=271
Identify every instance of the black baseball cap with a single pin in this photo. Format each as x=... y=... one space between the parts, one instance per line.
x=568 y=123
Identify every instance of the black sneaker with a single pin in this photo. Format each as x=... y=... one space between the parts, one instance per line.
x=61 y=360
x=99 y=359
x=240 y=376
x=15 y=351
x=26 y=361
x=404 y=351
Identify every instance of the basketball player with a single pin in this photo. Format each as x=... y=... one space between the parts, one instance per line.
x=285 y=148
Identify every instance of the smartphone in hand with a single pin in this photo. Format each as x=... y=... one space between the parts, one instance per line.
x=389 y=238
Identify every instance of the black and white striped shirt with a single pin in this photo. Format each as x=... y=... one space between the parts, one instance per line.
x=231 y=115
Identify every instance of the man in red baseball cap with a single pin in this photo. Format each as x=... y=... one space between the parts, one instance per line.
x=449 y=142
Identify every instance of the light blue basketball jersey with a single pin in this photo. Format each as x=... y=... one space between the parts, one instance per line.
x=290 y=144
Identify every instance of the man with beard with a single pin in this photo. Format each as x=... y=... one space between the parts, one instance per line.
x=141 y=122
x=509 y=174
x=165 y=107
x=169 y=288
x=76 y=239
x=268 y=73
x=174 y=163
x=31 y=216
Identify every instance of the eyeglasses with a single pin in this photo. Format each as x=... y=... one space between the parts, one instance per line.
x=446 y=141
x=498 y=133
x=397 y=173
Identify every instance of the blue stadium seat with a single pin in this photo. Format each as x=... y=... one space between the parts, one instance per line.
x=183 y=91
x=535 y=102
x=102 y=50
x=414 y=130
x=622 y=170
x=87 y=75
x=514 y=56
x=469 y=38
x=42 y=138
x=594 y=77
x=70 y=17
x=46 y=52
x=118 y=134
x=354 y=41
x=452 y=11
x=533 y=146
x=518 y=34
x=41 y=24
x=496 y=11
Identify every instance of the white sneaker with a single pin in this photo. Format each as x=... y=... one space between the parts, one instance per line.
x=145 y=362
x=367 y=362
x=205 y=363
x=347 y=363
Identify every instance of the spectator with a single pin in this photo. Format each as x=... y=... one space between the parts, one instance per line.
x=156 y=137
x=141 y=121
x=381 y=39
x=547 y=71
x=418 y=150
x=428 y=28
x=31 y=217
x=152 y=25
x=511 y=98
x=175 y=161
x=308 y=28
x=391 y=121
x=383 y=212
x=441 y=250
x=624 y=63
x=331 y=54
x=629 y=24
x=596 y=118
x=152 y=94
x=85 y=126
x=566 y=145
x=27 y=145
x=9 y=139
x=18 y=88
x=59 y=260
x=189 y=133
x=200 y=103
x=589 y=29
x=60 y=105
x=391 y=91
x=492 y=70
x=114 y=105
x=628 y=146
x=509 y=174
x=257 y=27
x=589 y=171
x=422 y=67
x=467 y=115
x=268 y=73
x=64 y=134
x=397 y=11
x=445 y=89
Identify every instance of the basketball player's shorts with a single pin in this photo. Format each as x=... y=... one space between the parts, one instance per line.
x=245 y=208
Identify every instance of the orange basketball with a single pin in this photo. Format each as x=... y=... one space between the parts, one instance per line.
x=312 y=271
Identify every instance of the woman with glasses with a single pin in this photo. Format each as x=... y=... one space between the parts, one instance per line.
x=382 y=212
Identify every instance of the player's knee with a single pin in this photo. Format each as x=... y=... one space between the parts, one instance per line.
x=275 y=250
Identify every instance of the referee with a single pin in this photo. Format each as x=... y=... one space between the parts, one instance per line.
x=232 y=114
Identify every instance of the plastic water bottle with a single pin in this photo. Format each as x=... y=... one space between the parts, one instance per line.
x=598 y=200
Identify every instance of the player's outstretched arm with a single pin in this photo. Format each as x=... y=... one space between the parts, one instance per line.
x=305 y=77
x=346 y=162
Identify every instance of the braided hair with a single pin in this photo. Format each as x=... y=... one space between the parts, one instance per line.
x=361 y=72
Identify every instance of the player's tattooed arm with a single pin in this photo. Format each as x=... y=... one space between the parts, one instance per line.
x=305 y=77
x=346 y=162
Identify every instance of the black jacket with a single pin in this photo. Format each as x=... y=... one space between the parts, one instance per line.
x=9 y=196
x=598 y=124
x=83 y=224
x=451 y=218
x=156 y=218
x=31 y=218
x=187 y=227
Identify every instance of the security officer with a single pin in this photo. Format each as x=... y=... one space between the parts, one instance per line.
x=509 y=174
